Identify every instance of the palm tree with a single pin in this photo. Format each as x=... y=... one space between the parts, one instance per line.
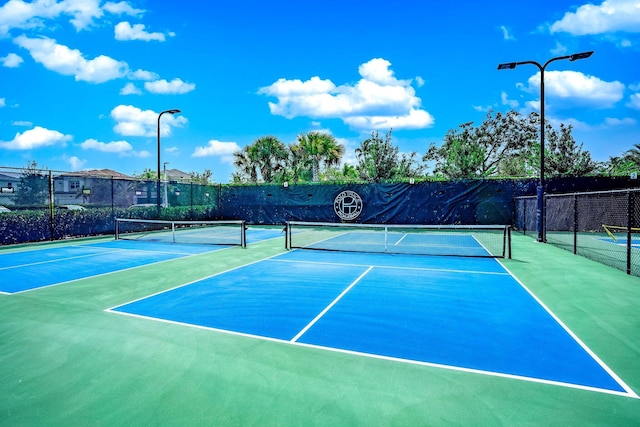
x=298 y=166
x=246 y=168
x=269 y=155
x=320 y=148
x=633 y=154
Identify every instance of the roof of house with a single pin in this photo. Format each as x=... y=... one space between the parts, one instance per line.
x=178 y=174
x=98 y=173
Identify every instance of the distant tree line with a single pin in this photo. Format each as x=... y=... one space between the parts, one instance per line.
x=503 y=145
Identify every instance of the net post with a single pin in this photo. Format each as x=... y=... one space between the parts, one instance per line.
x=575 y=224
x=287 y=228
x=243 y=234
x=173 y=231
x=117 y=223
x=629 y=225
x=386 y=237
x=508 y=232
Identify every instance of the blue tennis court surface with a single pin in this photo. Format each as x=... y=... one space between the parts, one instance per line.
x=635 y=242
x=37 y=268
x=33 y=269
x=458 y=313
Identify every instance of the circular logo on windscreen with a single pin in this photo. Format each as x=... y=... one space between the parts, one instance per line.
x=347 y=205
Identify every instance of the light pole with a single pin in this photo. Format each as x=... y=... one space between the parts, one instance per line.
x=540 y=214
x=158 y=181
x=164 y=170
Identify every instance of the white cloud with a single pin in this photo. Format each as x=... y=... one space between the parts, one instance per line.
x=106 y=147
x=122 y=8
x=378 y=100
x=142 y=75
x=377 y=71
x=123 y=148
x=130 y=89
x=610 y=16
x=506 y=34
x=12 y=60
x=35 y=138
x=416 y=119
x=634 y=101
x=70 y=62
x=18 y=14
x=175 y=86
x=22 y=123
x=577 y=87
x=75 y=163
x=217 y=148
x=509 y=102
x=125 y=31
x=627 y=121
x=132 y=121
x=559 y=50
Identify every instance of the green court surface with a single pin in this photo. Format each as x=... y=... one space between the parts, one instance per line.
x=68 y=362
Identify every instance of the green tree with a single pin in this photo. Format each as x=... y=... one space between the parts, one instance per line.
x=633 y=155
x=246 y=169
x=265 y=158
x=619 y=166
x=379 y=160
x=320 y=148
x=299 y=166
x=147 y=174
x=206 y=177
x=626 y=164
x=33 y=188
x=563 y=156
x=269 y=155
x=501 y=144
x=457 y=158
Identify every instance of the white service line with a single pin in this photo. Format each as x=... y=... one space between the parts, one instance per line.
x=327 y=308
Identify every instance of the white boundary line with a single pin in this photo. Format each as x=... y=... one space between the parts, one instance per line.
x=112 y=309
x=599 y=361
x=49 y=261
x=379 y=357
x=108 y=272
x=327 y=308
x=444 y=270
x=628 y=391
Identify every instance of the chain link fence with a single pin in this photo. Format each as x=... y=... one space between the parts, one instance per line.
x=37 y=205
x=601 y=226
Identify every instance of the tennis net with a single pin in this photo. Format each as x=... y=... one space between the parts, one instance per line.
x=232 y=232
x=450 y=240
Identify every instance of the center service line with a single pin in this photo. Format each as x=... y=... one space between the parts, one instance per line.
x=327 y=308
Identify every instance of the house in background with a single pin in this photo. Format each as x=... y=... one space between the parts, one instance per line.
x=8 y=187
x=96 y=187
x=176 y=175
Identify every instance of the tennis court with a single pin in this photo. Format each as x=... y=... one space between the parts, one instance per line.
x=459 y=315
x=53 y=265
x=262 y=335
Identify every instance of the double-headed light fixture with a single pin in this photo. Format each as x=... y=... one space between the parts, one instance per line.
x=540 y=191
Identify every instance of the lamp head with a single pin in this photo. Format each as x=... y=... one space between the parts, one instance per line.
x=582 y=55
x=507 y=66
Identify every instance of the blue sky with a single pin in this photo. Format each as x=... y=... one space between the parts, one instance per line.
x=83 y=81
